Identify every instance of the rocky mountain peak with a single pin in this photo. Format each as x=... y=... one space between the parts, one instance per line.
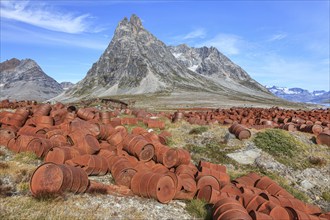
x=136 y=21
x=123 y=22
x=136 y=62
x=183 y=47
x=127 y=28
x=66 y=85
x=9 y=64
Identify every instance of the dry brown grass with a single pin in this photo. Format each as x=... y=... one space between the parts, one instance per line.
x=72 y=207
x=22 y=175
x=26 y=157
x=5 y=190
x=318 y=161
x=49 y=196
x=4 y=165
x=14 y=179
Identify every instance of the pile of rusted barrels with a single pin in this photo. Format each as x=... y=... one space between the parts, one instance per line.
x=16 y=104
x=253 y=197
x=315 y=121
x=77 y=143
x=93 y=142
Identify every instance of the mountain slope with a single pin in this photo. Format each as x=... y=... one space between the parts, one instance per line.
x=25 y=80
x=136 y=62
x=211 y=63
x=300 y=95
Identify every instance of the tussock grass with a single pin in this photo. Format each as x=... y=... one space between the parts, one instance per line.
x=198 y=130
x=326 y=196
x=26 y=157
x=23 y=187
x=199 y=209
x=22 y=175
x=317 y=160
x=5 y=190
x=45 y=196
x=2 y=153
x=15 y=179
x=4 y=165
x=179 y=131
x=139 y=124
x=213 y=151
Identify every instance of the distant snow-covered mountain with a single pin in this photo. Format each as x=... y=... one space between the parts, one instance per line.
x=301 y=95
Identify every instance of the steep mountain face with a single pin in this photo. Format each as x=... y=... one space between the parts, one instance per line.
x=300 y=95
x=136 y=62
x=208 y=62
x=24 y=79
x=211 y=63
x=66 y=85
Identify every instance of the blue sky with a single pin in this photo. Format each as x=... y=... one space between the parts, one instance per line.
x=284 y=43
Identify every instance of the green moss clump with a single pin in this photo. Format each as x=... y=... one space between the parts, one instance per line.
x=276 y=142
x=198 y=130
x=213 y=152
x=326 y=196
x=198 y=209
x=284 y=147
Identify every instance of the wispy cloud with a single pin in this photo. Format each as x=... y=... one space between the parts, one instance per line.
x=228 y=44
x=41 y=15
x=276 y=37
x=191 y=38
x=198 y=33
x=20 y=35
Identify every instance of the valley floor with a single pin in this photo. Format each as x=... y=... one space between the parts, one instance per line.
x=173 y=101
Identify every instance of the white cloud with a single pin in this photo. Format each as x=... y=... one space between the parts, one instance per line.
x=21 y=35
x=198 y=33
x=41 y=15
x=276 y=37
x=226 y=43
x=190 y=38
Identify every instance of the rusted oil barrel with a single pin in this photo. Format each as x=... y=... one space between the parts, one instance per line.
x=42 y=110
x=240 y=131
x=54 y=178
x=323 y=138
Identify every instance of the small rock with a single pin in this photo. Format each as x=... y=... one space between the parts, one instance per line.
x=181 y=204
x=245 y=157
x=306 y=184
x=268 y=162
